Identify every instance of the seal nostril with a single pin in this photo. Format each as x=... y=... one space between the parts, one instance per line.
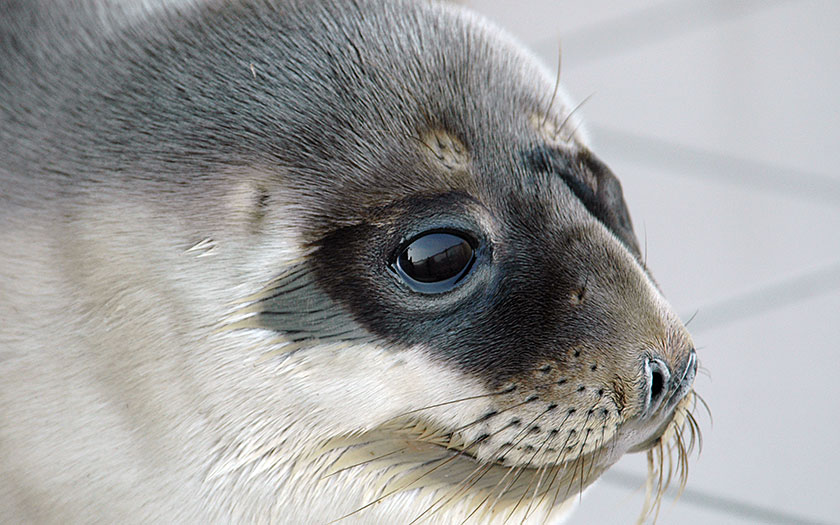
x=657 y=384
x=658 y=377
x=690 y=370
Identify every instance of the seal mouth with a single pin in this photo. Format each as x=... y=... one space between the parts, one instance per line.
x=415 y=454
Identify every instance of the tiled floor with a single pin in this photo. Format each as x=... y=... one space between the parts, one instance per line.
x=721 y=119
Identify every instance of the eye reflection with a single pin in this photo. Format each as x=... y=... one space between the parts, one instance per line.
x=435 y=262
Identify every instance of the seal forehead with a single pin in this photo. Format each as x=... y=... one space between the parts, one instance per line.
x=553 y=130
x=445 y=148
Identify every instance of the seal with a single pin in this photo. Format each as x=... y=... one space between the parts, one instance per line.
x=312 y=262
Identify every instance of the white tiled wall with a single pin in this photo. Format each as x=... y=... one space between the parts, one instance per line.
x=721 y=119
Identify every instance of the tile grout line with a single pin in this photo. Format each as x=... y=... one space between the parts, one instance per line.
x=767 y=298
x=708 y=501
x=633 y=30
x=680 y=159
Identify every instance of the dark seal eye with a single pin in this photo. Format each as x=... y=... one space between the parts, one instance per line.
x=435 y=262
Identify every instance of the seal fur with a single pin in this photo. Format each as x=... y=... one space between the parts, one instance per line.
x=200 y=201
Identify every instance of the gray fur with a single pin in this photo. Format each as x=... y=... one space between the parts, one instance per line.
x=200 y=205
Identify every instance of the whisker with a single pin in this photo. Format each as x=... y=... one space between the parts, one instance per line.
x=445 y=403
x=581 y=454
x=486 y=467
x=517 y=471
x=524 y=433
x=571 y=113
x=485 y=417
x=540 y=474
x=528 y=488
x=695 y=432
x=573 y=478
x=481 y=470
x=470 y=515
x=365 y=462
x=472 y=478
x=583 y=462
x=510 y=446
x=686 y=436
x=576 y=128
x=659 y=490
x=489 y=493
x=669 y=448
x=556 y=84
x=561 y=459
x=702 y=401
x=685 y=324
x=598 y=451
x=682 y=466
x=648 y=489
x=400 y=489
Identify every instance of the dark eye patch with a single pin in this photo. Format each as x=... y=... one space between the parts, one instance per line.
x=294 y=305
x=604 y=198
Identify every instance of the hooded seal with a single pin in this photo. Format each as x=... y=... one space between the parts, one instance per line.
x=310 y=262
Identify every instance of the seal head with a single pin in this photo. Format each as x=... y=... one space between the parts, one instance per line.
x=319 y=265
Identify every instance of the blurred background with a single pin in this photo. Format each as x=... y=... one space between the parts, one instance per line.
x=721 y=120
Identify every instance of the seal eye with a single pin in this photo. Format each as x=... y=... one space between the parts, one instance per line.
x=435 y=262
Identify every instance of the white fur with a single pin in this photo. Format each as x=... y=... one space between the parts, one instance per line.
x=121 y=403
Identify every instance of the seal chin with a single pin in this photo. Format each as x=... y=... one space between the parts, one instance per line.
x=668 y=450
x=415 y=454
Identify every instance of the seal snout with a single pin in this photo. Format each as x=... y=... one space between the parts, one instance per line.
x=685 y=380
x=664 y=388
